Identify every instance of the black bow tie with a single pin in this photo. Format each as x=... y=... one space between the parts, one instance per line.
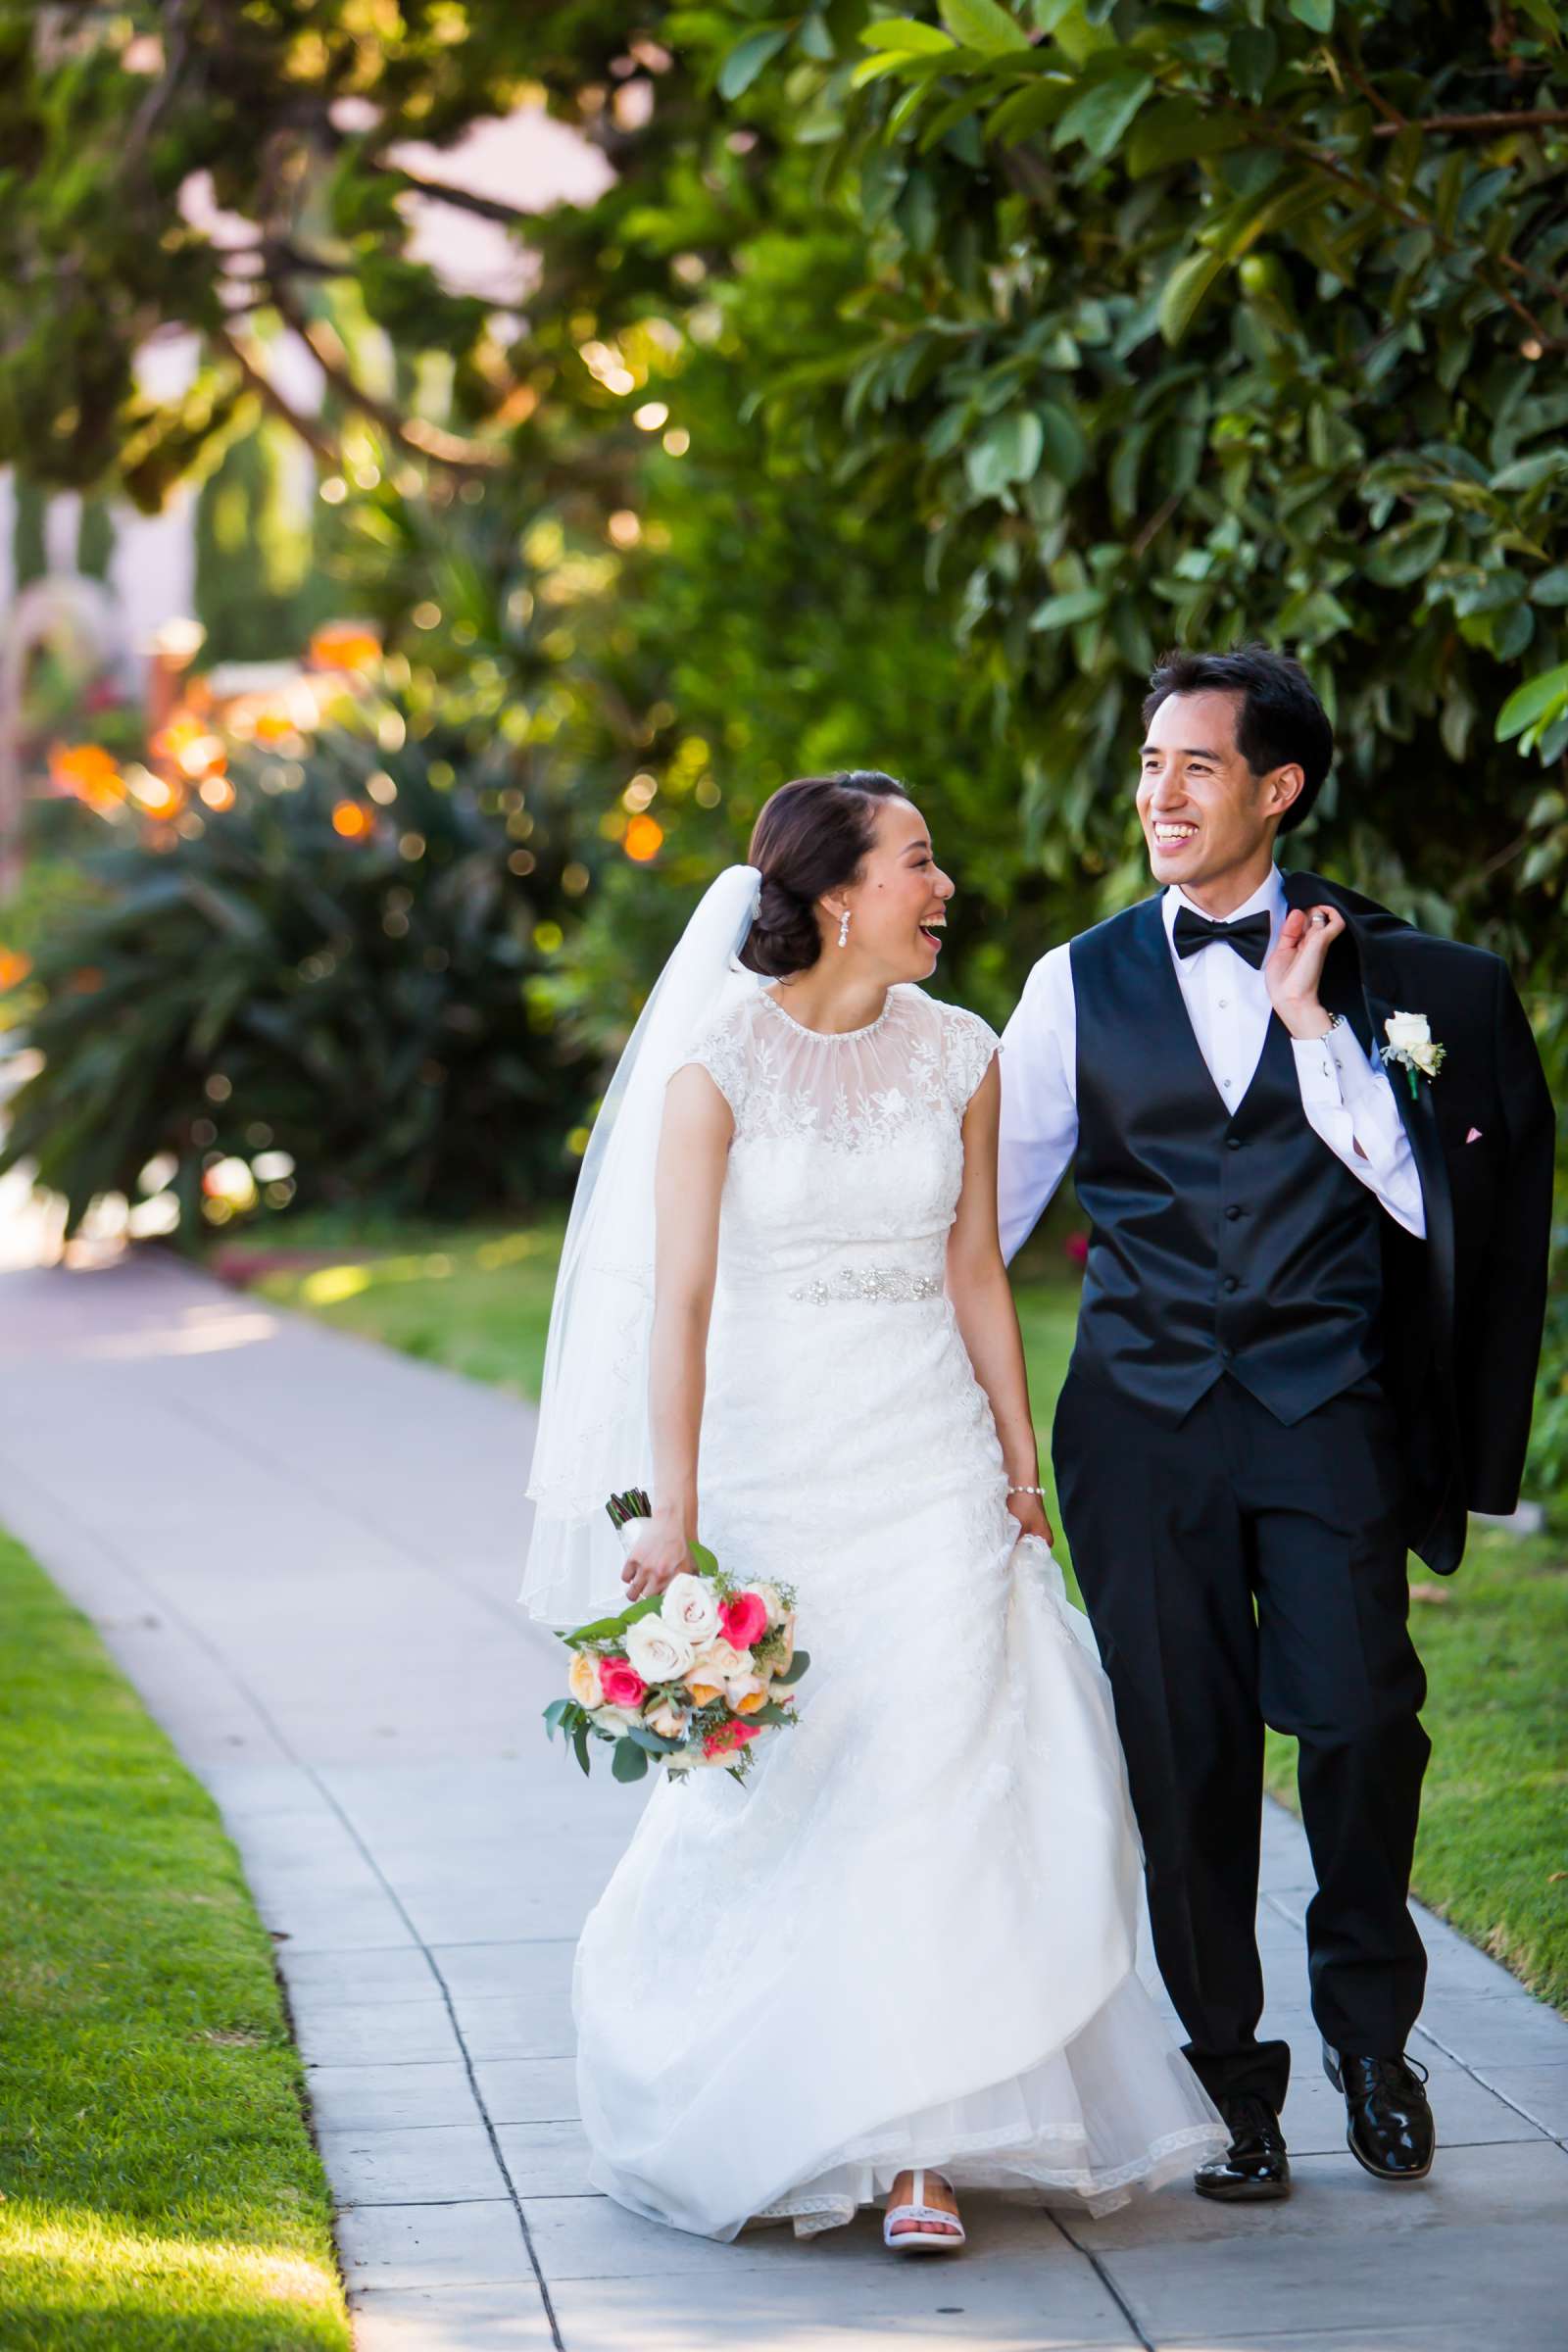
x=1249 y=937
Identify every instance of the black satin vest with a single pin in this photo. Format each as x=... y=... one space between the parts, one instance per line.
x=1220 y=1241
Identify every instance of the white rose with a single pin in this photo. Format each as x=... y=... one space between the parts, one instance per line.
x=717 y=1660
x=1407 y=1030
x=773 y=1601
x=661 y=1652
x=668 y=1721
x=691 y=1608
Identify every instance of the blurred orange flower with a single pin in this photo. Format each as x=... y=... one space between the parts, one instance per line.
x=345 y=644
x=87 y=772
x=351 y=820
x=644 y=838
x=14 y=967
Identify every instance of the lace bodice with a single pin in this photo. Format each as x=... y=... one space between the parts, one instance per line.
x=848 y=1155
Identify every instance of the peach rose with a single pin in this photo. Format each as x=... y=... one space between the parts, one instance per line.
x=582 y=1679
x=668 y=1720
x=712 y=1670
x=781 y=1650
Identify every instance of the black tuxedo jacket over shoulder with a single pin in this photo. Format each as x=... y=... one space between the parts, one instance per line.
x=1463 y=1310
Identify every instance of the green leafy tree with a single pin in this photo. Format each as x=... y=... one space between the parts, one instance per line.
x=1190 y=324
x=123 y=131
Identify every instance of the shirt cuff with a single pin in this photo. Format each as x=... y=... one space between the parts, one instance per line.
x=1317 y=1071
x=1335 y=1074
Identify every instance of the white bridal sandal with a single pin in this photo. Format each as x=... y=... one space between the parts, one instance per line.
x=946 y=2239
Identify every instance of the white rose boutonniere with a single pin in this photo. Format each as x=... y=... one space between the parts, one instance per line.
x=1413 y=1045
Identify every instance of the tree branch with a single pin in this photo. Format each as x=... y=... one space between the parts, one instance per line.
x=463 y=199
x=249 y=362
x=1527 y=118
x=412 y=433
x=1262 y=131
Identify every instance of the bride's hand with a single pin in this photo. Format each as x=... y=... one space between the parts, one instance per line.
x=1030 y=1513
x=657 y=1553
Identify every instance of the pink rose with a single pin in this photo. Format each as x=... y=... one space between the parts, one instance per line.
x=621 y=1683
x=744 y=1619
x=730 y=1736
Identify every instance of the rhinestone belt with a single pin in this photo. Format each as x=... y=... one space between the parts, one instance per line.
x=896 y=1283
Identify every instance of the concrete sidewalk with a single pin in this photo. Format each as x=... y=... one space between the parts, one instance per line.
x=304 y=1551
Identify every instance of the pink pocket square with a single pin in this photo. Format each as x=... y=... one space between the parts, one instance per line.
x=1473 y=1136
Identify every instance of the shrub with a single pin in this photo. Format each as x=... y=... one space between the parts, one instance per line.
x=332 y=970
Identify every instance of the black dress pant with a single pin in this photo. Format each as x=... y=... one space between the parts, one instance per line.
x=1240 y=1573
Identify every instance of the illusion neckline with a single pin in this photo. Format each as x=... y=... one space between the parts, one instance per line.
x=829 y=1037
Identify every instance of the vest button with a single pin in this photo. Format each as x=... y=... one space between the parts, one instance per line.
x=1233 y=1212
x=1231 y=1282
x=1233 y=1142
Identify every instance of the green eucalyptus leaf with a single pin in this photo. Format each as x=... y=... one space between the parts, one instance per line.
x=607 y=1629
x=629 y=1761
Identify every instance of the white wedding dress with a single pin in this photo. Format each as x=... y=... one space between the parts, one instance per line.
x=911 y=1938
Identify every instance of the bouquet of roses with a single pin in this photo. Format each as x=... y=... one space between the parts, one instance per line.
x=688 y=1677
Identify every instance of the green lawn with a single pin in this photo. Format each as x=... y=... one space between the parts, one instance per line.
x=160 y=2186
x=1492 y=1856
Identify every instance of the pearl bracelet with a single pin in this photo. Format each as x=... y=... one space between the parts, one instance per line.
x=1040 y=1490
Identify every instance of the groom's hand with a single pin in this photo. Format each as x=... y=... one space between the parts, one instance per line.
x=1296 y=966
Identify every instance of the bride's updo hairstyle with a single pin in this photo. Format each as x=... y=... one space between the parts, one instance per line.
x=811 y=837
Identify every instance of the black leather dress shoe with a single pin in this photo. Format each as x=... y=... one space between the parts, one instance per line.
x=1255 y=2168
x=1389 y=2123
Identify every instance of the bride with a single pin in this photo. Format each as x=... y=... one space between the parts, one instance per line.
x=898 y=1960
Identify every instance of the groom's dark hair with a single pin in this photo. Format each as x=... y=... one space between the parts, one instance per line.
x=1280 y=720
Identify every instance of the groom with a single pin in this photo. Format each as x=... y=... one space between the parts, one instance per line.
x=1311 y=1315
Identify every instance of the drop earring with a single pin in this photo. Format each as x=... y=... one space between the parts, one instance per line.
x=844 y=928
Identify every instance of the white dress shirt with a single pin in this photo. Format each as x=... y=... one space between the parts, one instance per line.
x=1346 y=1094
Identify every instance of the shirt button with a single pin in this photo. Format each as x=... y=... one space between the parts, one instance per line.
x=1224 y=1003
x=1233 y=1212
x=1225 y=1083
x=1233 y=1142
x=1231 y=1282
